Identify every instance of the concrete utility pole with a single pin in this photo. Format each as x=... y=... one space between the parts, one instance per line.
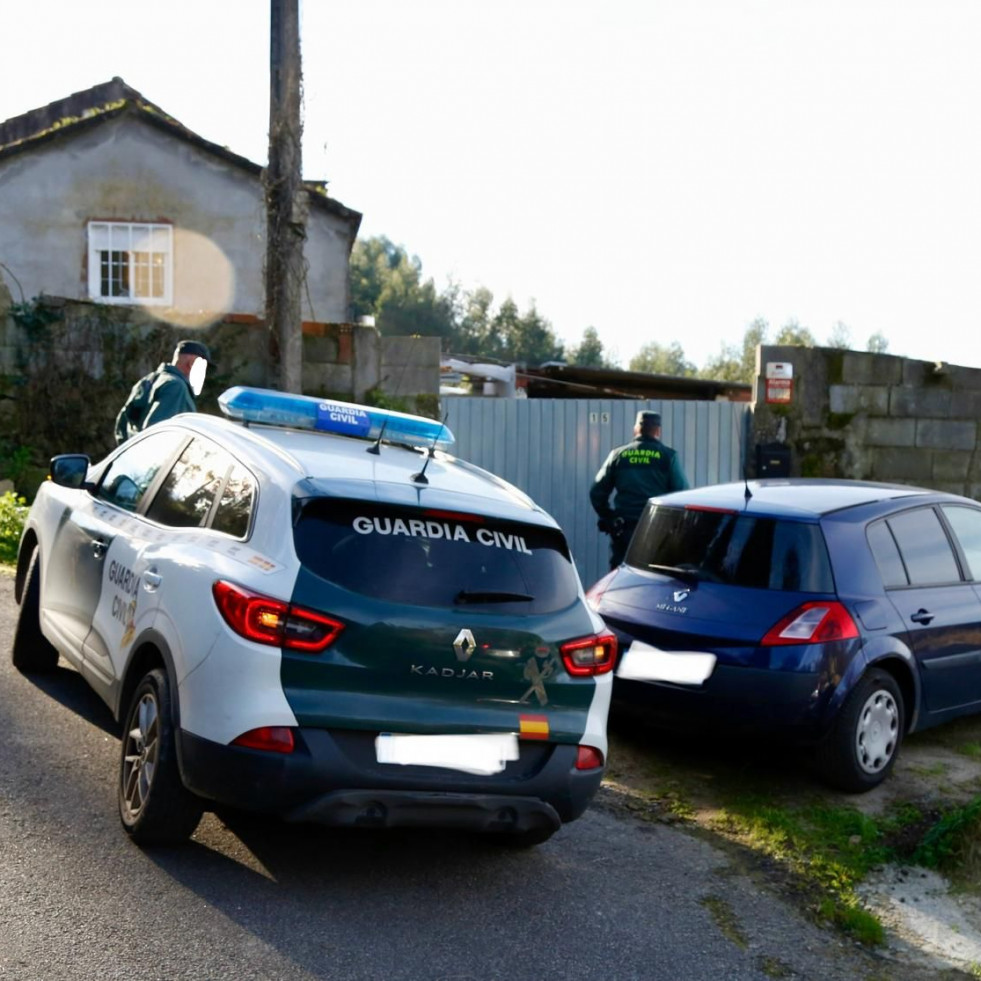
x=286 y=202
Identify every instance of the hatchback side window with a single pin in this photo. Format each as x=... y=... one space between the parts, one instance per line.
x=189 y=490
x=886 y=555
x=924 y=547
x=966 y=523
x=134 y=470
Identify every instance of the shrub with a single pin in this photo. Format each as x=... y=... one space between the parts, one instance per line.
x=13 y=513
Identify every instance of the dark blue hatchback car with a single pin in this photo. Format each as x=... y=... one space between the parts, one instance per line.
x=847 y=613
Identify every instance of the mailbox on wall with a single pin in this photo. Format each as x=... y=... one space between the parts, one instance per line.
x=779 y=381
x=772 y=460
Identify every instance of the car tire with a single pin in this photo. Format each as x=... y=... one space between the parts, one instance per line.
x=861 y=748
x=154 y=805
x=32 y=652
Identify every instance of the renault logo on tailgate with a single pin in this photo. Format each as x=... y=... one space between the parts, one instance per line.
x=464 y=645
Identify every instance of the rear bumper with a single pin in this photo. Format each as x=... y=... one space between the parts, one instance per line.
x=332 y=777
x=747 y=699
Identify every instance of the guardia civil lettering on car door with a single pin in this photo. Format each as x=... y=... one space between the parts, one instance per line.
x=285 y=622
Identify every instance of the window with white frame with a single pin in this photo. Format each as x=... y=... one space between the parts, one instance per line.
x=131 y=262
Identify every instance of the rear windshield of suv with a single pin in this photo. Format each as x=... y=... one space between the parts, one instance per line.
x=436 y=558
x=734 y=548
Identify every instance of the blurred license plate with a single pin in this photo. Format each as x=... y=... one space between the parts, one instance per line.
x=641 y=662
x=482 y=753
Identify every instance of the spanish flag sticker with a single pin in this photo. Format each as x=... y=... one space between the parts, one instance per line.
x=533 y=726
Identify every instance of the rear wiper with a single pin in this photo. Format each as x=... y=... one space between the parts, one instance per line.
x=687 y=573
x=490 y=596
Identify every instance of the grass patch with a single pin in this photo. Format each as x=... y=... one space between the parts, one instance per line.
x=972 y=750
x=829 y=850
x=725 y=920
x=953 y=844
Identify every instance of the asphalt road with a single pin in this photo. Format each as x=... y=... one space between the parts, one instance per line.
x=249 y=899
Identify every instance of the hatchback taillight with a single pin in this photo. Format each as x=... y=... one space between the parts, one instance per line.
x=812 y=623
x=589 y=655
x=271 y=621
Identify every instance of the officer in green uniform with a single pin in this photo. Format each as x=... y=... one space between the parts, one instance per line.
x=165 y=392
x=641 y=469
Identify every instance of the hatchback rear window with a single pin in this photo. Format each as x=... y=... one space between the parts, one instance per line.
x=436 y=558
x=734 y=548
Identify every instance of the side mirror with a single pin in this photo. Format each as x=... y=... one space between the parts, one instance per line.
x=70 y=470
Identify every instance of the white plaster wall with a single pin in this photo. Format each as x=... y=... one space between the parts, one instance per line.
x=127 y=170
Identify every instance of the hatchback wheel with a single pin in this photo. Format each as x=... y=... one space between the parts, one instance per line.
x=861 y=748
x=32 y=652
x=154 y=805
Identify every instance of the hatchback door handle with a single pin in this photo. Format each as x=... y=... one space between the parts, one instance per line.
x=921 y=616
x=152 y=580
x=99 y=548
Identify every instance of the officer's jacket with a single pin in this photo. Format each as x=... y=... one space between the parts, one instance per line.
x=641 y=469
x=157 y=396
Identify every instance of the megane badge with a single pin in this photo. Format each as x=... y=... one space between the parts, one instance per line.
x=464 y=645
x=681 y=594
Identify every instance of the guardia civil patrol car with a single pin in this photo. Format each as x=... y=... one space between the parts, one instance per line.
x=312 y=609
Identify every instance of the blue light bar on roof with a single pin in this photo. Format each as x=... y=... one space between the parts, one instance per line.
x=263 y=405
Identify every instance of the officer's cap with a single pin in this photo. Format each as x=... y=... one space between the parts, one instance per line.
x=648 y=420
x=194 y=347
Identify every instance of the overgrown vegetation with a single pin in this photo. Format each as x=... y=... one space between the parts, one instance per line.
x=953 y=843
x=13 y=513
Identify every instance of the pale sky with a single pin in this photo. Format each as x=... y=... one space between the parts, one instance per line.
x=665 y=170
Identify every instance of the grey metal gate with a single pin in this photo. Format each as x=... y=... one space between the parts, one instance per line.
x=552 y=448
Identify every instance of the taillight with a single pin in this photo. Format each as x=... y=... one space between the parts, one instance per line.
x=812 y=623
x=595 y=592
x=589 y=655
x=273 y=739
x=588 y=758
x=271 y=621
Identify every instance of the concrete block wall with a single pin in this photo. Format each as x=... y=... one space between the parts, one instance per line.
x=875 y=417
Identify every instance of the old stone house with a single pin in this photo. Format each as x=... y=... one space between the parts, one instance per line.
x=106 y=197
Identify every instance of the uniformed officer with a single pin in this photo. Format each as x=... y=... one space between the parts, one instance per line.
x=641 y=469
x=165 y=392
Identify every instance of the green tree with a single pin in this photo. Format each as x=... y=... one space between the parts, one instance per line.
x=840 y=336
x=386 y=283
x=877 y=343
x=738 y=362
x=474 y=331
x=589 y=352
x=792 y=334
x=528 y=338
x=662 y=359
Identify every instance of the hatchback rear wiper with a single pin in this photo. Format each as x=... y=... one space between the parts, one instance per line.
x=688 y=573
x=490 y=596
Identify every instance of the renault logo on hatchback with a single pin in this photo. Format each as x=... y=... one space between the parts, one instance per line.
x=680 y=595
x=464 y=645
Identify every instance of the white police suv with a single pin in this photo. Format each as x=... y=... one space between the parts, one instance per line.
x=311 y=609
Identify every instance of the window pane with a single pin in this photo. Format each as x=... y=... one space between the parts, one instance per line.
x=966 y=523
x=130 y=260
x=886 y=555
x=235 y=509
x=188 y=491
x=430 y=561
x=734 y=548
x=132 y=472
x=98 y=236
x=924 y=547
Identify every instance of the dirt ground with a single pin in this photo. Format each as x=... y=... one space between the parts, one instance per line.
x=667 y=776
